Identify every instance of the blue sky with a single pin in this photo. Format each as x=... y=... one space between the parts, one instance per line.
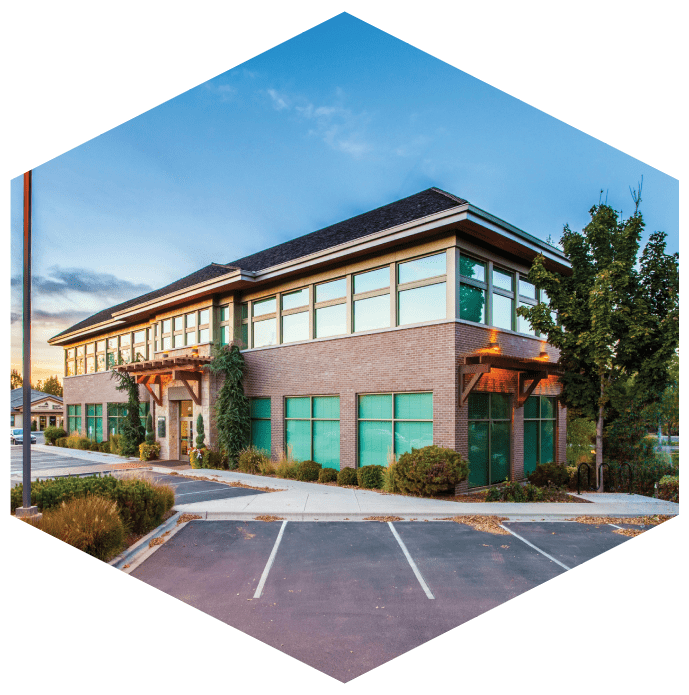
x=339 y=120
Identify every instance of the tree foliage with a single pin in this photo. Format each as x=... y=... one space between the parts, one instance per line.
x=131 y=432
x=200 y=432
x=16 y=380
x=618 y=314
x=232 y=415
x=665 y=412
x=51 y=385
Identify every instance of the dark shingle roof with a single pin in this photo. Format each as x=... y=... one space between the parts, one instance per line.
x=17 y=397
x=414 y=207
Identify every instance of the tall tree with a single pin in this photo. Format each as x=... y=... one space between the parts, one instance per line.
x=16 y=380
x=52 y=386
x=131 y=430
x=618 y=316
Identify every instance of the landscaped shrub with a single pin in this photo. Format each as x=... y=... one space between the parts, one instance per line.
x=430 y=470
x=149 y=437
x=287 y=469
x=327 y=475
x=61 y=441
x=674 y=456
x=308 y=471
x=34 y=426
x=196 y=458
x=668 y=488
x=266 y=467
x=115 y=444
x=213 y=459
x=251 y=459
x=515 y=492
x=646 y=473
x=51 y=434
x=389 y=481
x=141 y=503
x=93 y=445
x=370 y=477
x=347 y=476
x=104 y=447
x=550 y=474
x=92 y=524
x=149 y=452
x=84 y=444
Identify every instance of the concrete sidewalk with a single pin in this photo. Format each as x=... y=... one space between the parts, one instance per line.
x=299 y=501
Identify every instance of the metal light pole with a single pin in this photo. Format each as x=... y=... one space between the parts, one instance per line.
x=26 y=509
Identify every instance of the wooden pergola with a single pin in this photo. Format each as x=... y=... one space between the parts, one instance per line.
x=531 y=371
x=188 y=369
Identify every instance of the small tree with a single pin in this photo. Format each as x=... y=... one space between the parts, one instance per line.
x=200 y=432
x=52 y=386
x=618 y=317
x=150 y=435
x=16 y=380
x=131 y=431
x=232 y=413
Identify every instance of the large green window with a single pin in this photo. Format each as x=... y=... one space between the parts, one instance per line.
x=260 y=423
x=539 y=432
x=74 y=418
x=116 y=413
x=489 y=438
x=94 y=421
x=472 y=289
x=393 y=423
x=312 y=429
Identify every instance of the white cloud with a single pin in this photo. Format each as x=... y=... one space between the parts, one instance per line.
x=278 y=102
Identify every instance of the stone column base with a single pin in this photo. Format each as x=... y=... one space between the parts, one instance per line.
x=28 y=512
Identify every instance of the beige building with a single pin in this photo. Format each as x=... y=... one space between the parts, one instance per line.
x=46 y=409
x=391 y=330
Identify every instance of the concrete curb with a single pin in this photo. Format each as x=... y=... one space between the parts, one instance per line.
x=405 y=516
x=127 y=556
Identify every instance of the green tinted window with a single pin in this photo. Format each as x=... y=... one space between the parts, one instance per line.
x=375 y=441
x=490 y=434
x=326 y=442
x=298 y=407
x=298 y=438
x=530 y=446
x=472 y=304
x=547 y=407
x=326 y=407
x=478 y=454
x=260 y=434
x=375 y=407
x=412 y=435
x=500 y=406
x=539 y=432
x=499 y=451
x=260 y=408
x=479 y=404
x=414 y=406
x=472 y=269
x=531 y=407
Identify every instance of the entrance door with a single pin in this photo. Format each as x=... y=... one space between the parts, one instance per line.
x=186 y=428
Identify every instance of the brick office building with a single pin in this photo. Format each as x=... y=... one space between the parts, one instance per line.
x=392 y=329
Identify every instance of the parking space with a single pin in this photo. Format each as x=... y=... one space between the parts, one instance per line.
x=347 y=597
x=569 y=542
x=198 y=490
x=42 y=462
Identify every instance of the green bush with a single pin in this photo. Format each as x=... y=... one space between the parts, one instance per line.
x=93 y=445
x=196 y=458
x=389 y=482
x=287 y=469
x=34 y=426
x=104 y=447
x=668 y=488
x=84 y=444
x=674 y=456
x=149 y=437
x=550 y=474
x=308 y=471
x=141 y=503
x=51 y=434
x=430 y=470
x=149 y=452
x=327 y=475
x=370 y=477
x=61 y=441
x=115 y=444
x=347 y=476
x=515 y=492
x=251 y=460
x=90 y=523
x=213 y=459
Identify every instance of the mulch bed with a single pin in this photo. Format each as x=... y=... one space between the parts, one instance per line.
x=653 y=520
x=480 y=496
x=382 y=518
x=129 y=464
x=188 y=517
x=268 y=517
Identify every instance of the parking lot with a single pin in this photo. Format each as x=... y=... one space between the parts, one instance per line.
x=347 y=597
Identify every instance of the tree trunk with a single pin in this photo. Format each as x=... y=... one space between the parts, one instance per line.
x=599 y=438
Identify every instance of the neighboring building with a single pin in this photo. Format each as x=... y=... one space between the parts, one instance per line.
x=393 y=329
x=46 y=409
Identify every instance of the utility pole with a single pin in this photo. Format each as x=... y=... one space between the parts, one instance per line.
x=26 y=509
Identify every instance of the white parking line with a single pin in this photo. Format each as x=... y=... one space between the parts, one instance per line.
x=269 y=564
x=415 y=569
x=542 y=552
x=615 y=526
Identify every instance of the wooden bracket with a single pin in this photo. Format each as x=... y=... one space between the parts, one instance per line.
x=147 y=380
x=526 y=390
x=476 y=371
x=185 y=377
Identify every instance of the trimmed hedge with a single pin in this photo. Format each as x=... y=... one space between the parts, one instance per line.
x=327 y=475
x=347 y=476
x=550 y=474
x=430 y=470
x=141 y=504
x=370 y=477
x=53 y=433
x=308 y=471
x=149 y=452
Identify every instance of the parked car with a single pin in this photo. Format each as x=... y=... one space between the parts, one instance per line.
x=17 y=436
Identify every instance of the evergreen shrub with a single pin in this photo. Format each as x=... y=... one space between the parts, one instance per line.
x=327 y=475
x=51 y=434
x=430 y=470
x=550 y=474
x=347 y=476
x=515 y=492
x=370 y=477
x=668 y=488
x=308 y=471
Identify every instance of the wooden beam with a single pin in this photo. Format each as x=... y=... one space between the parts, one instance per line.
x=524 y=390
x=185 y=377
x=476 y=371
x=147 y=380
